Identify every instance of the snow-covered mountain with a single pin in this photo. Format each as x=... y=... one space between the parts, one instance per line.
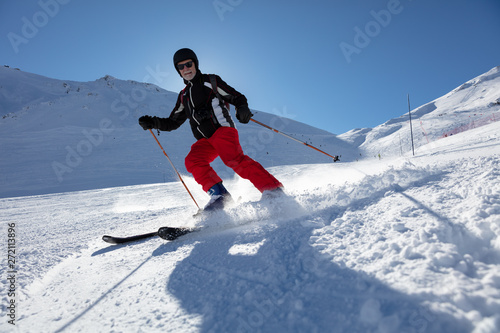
x=397 y=244
x=473 y=104
x=61 y=136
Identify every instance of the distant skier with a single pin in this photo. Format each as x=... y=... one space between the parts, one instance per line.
x=214 y=130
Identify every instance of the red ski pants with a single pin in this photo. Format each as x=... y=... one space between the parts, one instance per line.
x=224 y=143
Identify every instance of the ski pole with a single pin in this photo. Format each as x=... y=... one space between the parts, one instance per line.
x=172 y=164
x=335 y=158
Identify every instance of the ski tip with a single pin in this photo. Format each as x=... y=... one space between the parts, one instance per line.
x=109 y=239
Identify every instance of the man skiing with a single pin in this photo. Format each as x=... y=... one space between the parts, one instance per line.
x=214 y=130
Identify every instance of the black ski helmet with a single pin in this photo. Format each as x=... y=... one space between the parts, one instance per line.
x=185 y=54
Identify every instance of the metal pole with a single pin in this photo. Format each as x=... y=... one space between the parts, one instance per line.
x=411 y=127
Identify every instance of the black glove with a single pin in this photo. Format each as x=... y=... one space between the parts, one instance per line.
x=147 y=122
x=243 y=114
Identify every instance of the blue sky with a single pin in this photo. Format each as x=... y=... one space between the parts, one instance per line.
x=336 y=65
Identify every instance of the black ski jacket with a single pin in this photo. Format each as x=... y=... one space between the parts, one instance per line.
x=198 y=103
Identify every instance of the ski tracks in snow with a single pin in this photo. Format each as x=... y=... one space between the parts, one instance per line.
x=428 y=232
x=410 y=248
x=106 y=289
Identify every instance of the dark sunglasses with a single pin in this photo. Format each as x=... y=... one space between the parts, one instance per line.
x=188 y=64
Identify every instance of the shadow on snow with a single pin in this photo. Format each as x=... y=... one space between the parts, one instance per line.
x=286 y=286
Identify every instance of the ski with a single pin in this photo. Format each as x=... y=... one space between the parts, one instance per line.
x=168 y=233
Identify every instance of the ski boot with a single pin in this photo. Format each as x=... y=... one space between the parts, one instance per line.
x=219 y=197
x=273 y=194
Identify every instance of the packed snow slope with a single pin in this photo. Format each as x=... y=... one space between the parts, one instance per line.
x=59 y=136
x=391 y=245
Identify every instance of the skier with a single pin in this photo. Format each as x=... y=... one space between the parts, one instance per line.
x=214 y=130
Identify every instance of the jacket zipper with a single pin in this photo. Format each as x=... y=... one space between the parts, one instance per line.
x=192 y=111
